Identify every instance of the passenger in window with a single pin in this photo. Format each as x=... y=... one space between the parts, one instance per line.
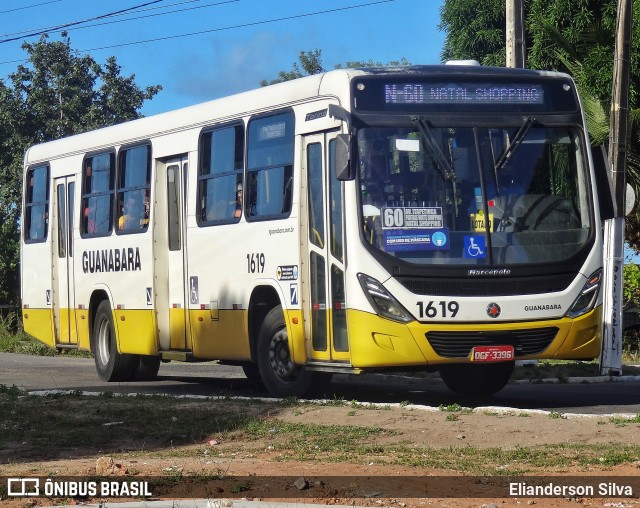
x=238 y=211
x=132 y=217
x=89 y=217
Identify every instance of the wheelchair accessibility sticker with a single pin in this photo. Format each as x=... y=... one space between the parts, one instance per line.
x=475 y=247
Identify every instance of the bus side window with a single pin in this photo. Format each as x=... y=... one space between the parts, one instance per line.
x=37 y=205
x=270 y=166
x=134 y=185
x=220 y=174
x=97 y=196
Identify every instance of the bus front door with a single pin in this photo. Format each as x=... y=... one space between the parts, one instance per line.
x=62 y=298
x=323 y=281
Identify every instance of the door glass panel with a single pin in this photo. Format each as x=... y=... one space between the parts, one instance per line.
x=173 y=182
x=318 y=303
x=335 y=191
x=62 y=221
x=316 y=201
x=340 y=341
x=71 y=192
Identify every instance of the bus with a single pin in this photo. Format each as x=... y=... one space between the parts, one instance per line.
x=440 y=218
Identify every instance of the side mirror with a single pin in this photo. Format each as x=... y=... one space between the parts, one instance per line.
x=344 y=168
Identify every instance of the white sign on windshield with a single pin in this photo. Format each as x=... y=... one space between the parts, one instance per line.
x=408 y=145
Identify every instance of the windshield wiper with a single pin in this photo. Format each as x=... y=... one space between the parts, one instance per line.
x=446 y=170
x=439 y=158
x=515 y=142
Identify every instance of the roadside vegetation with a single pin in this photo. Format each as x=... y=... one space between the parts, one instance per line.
x=145 y=428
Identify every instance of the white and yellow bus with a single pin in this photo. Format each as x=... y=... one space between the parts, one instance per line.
x=426 y=217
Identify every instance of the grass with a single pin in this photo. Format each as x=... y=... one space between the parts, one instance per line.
x=160 y=427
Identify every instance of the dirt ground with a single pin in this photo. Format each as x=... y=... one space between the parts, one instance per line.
x=372 y=482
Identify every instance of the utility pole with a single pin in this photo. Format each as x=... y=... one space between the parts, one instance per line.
x=516 y=49
x=611 y=356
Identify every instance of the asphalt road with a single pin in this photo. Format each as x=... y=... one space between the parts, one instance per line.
x=69 y=373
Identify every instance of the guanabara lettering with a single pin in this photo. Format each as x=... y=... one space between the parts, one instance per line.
x=111 y=260
x=553 y=306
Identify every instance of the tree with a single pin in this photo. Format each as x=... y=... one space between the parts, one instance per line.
x=475 y=29
x=310 y=63
x=577 y=37
x=57 y=93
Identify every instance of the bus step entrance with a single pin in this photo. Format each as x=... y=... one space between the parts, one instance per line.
x=177 y=355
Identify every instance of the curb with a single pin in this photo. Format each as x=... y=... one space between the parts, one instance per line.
x=411 y=380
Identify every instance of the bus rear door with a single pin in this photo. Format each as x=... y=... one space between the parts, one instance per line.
x=170 y=226
x=323 y=280
x=63 y=297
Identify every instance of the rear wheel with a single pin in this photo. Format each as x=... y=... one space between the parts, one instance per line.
x=280 y=376
x=110 y=364
x=476 y=380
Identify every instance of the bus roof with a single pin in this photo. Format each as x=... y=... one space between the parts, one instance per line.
x=331 y=84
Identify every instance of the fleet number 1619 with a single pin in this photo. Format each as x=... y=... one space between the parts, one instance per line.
x=442 y=308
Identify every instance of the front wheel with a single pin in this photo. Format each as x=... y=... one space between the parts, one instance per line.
x=146 y=367
x=476 y=380
x=280 y=376
x=110 y=364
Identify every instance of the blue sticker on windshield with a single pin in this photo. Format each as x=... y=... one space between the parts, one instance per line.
x=475 y=247
x=398 y=240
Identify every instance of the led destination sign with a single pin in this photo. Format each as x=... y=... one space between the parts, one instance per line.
x=463 y=93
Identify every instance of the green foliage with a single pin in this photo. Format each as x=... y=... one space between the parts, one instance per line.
x=631 y=286
x=475 y=29
x=57 y=93
x=310 y=63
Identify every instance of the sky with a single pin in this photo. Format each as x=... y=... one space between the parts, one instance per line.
x=234 y=44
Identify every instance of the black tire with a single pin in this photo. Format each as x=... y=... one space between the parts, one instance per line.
x=476 y=380
x=146 y=368
x=251 y=372
x=110 y=364
x=280 y=376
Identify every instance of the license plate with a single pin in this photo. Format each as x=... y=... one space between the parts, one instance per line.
x=492 y=354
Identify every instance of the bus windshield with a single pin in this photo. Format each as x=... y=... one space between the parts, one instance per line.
x=474 y=196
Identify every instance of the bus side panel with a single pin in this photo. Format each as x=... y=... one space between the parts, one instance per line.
x=218 y=336
x=136 y=331
x=37 y=312
x=39 y=324
x=82 y=318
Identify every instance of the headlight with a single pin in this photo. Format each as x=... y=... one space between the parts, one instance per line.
x=382 y=301
x=587 y=297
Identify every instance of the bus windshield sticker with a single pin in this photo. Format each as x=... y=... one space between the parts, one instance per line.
x=475 y=247
x=477 y=221
x=405 y=218
x=396 y=240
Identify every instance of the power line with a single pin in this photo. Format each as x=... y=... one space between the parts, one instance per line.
x=222 y=29
x=233 y=27
x=42 y=32
x=149 y=15
x=29 y=6
x=52 y=30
